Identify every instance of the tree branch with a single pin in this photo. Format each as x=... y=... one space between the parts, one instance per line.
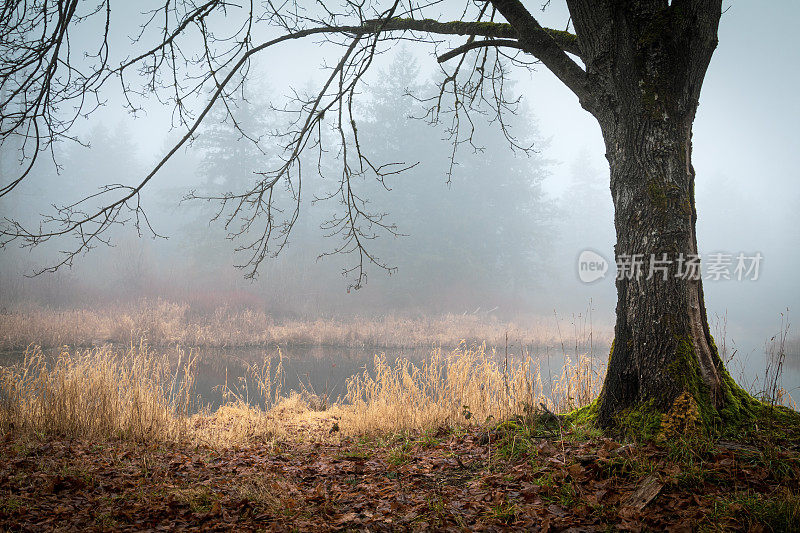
x=478 y=44
x=565 y=40
x=542 y=45
x=221 y=61
x=698 y=24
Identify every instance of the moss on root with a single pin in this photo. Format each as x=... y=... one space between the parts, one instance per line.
x=694 y=413
x=682 y=419
x=584 y=416
x=748 y=420
x=641 y=422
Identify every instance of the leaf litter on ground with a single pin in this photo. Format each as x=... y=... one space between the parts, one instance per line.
x=458 y=479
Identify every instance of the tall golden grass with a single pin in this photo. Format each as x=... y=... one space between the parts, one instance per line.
x=164 y=323
x=140 y=394
x=468 y=385
x=99 y=393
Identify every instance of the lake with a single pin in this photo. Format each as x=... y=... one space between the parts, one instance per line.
x=324 y=370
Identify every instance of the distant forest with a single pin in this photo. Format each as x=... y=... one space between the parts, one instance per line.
x=477 y=235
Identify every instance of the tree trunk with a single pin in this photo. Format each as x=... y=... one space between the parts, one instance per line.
x=662 y=347
x=645 y=64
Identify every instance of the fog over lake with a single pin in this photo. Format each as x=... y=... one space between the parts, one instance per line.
x=497 y=236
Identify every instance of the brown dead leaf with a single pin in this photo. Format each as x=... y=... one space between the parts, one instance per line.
x=347 y=518
x=575 y=470
x=556 y=510
x=596 y=497
x=216 y=509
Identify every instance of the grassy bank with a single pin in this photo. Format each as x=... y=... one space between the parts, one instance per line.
x=103 y=439
x=145 y=395
x=164 y=323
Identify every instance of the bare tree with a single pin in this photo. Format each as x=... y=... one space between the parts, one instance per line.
x=636 y=66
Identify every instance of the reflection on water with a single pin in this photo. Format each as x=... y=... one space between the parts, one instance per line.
x=324 y=370
x=320 y=370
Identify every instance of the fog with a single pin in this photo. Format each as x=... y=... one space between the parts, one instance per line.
x=500 y=237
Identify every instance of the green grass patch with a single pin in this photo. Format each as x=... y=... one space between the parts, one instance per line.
x=776 y=512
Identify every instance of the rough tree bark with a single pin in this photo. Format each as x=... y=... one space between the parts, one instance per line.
x=663 y=346
x=647 y=61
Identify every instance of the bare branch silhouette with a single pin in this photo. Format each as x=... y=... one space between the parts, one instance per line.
x=45 y=88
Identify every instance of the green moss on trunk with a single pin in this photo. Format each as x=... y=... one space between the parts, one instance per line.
x=731 y=413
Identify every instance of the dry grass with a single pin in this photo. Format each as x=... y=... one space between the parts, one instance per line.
x=137 y=394
x=142 y=395
x=98 y=393
x=468 y=385
x=164 y=323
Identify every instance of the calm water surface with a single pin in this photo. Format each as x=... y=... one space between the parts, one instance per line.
x=325 y=370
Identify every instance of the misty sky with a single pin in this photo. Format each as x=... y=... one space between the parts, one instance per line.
x=746 y=152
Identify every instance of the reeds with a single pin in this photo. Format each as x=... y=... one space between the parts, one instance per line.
x=142 y=395
x=775 y=350
x=467 y=385
x=99 y=393
x=165 y=323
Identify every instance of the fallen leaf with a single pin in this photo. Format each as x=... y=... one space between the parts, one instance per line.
x=647 y=490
